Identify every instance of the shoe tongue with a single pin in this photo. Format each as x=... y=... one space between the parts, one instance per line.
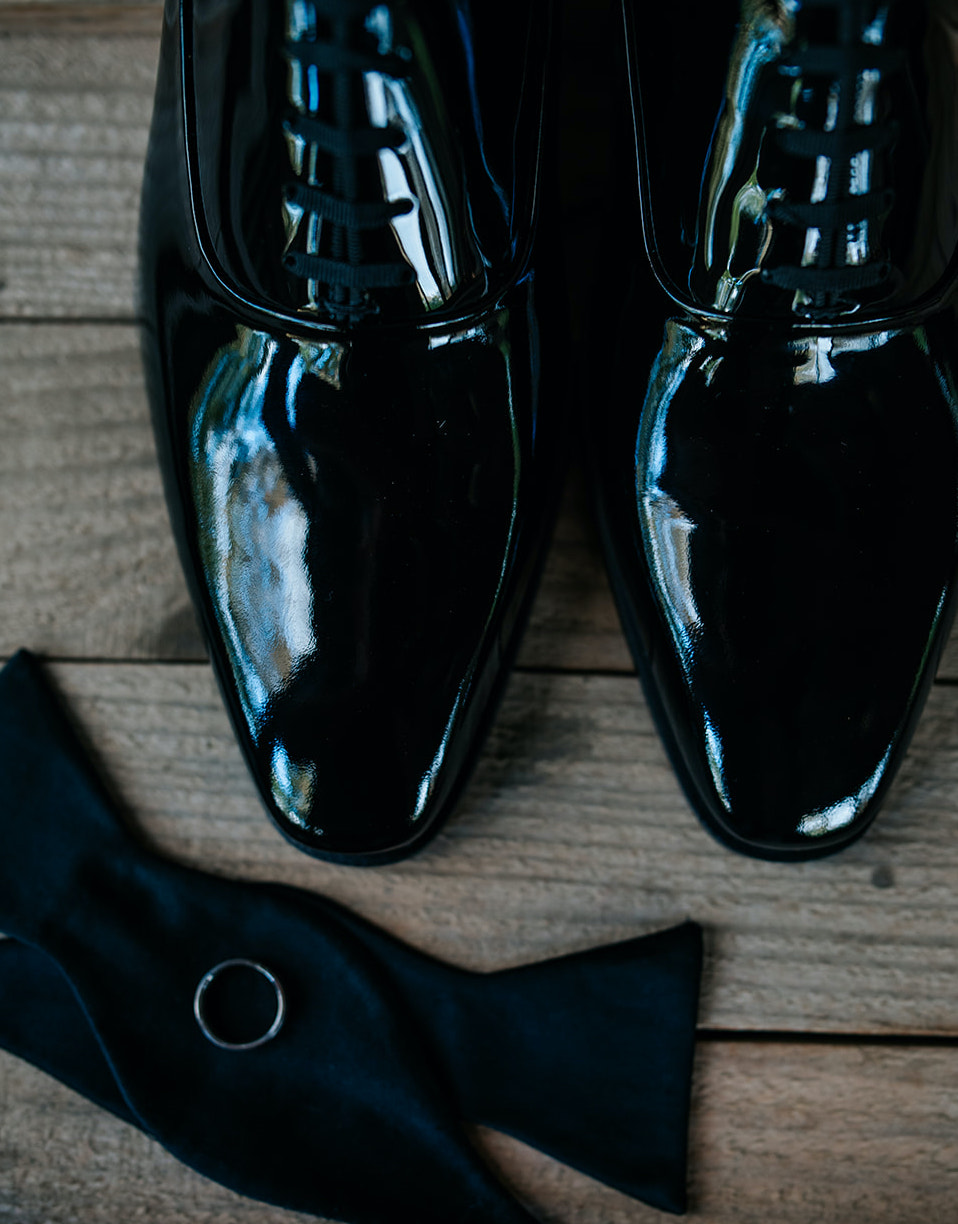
x=334 y=152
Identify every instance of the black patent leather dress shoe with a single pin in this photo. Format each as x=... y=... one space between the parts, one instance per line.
x=343 y=352
x=779 y=496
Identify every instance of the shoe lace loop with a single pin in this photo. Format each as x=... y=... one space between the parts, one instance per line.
x=335 y=196
x=843 y=217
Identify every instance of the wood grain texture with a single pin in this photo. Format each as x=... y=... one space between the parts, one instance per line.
x=572 y=833
x=80 y=16
x=74 y=115
x=782 y=1132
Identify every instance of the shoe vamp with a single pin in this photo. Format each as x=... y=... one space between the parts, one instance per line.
x=356 y=513
x=800 y=539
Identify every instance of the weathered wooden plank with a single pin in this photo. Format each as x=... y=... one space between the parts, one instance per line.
x=87 y=563
x=790 y=1133
x=74 y=114
x=572 y=833
x=74 y=117
x=80 y=16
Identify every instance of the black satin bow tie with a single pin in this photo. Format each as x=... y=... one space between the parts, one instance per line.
x=347 y=1060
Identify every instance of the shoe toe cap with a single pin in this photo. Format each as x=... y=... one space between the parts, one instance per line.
x=360 y=780
x=795 y=537
x=769 y=785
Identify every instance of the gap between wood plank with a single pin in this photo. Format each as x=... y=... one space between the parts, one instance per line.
x=771 y=1037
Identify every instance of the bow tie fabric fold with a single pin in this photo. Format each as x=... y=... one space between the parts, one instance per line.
x=347 y=1061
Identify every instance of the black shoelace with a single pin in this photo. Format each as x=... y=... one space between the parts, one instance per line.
x=845 y=220
x=345 y=249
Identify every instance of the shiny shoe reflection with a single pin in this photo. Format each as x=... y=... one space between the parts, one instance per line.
x=343 y=352
x=780 y=495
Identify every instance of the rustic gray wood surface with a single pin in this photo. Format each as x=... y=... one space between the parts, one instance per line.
x=827 y=1076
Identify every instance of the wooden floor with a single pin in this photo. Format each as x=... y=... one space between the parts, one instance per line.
x=827 y=1071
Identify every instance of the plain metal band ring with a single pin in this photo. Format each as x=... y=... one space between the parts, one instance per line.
x=207 y=980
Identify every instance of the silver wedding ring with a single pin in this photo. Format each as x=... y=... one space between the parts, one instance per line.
x=199 y=1005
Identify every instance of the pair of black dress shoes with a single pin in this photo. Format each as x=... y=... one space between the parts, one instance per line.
x=352 y=352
